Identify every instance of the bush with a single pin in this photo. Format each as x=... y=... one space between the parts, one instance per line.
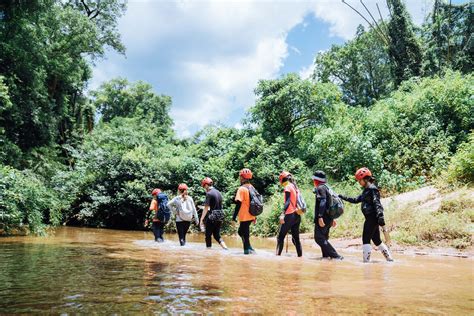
x=461 y=166
x=26 y=204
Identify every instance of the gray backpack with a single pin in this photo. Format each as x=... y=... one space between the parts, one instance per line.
x=336 y=205
x=256 y=201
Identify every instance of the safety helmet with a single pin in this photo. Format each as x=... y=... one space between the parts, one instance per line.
x=207 y=181
x=283 y=175
x=246 y=174
x=182 y=187
x=155 y=192
x=362 y=173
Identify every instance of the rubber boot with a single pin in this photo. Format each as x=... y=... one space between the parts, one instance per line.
x=386 y=252
x=366 y=250
x=223 y=245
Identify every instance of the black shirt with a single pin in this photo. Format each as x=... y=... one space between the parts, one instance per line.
x=213 y=199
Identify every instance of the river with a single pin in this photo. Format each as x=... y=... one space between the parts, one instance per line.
x=83 y=270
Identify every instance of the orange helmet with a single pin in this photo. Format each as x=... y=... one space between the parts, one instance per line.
x=207 y=181
x=155 y=192
x=246 y=174
x=182 y=187
x=362 y=173
x=283 y=175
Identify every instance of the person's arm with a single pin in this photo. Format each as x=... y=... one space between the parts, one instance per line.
x=238 y=204
x=378 y=207
x=195 y=213
x=204 y=212
x=321 y=207
x=287 y=202
x=351 y=200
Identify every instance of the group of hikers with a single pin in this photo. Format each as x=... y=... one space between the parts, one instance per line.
x=249 y=204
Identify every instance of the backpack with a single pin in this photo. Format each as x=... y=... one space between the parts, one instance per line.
x=336 y=205
x=184 y=213
x=256 y=201
x=163 y=214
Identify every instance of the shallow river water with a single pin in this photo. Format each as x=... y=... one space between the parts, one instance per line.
x=80 y=270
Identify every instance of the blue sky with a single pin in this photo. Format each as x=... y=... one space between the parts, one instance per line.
x=209 y=55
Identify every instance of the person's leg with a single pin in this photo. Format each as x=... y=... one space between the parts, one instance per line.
x=179 y=228
x=154 y=227
x=209 y=228
x=378 y=242
x=246 y=235
x=284 y=228
x=319 y=238
x=161 y=231
x=185 y=230
x=217 y=235
x=295 y=233
x=366 y=236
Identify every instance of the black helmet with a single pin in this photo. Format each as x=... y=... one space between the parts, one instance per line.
x=319 y=176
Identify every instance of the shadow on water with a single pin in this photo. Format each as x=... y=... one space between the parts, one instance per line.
x=105 y=271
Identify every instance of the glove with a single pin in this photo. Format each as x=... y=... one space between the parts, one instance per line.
x=381 y=220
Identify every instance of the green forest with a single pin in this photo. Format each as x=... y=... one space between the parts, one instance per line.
x=397 y=98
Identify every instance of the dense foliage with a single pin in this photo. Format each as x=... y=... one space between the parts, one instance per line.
x=390 y=102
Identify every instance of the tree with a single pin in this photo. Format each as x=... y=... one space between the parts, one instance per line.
x=360 y=67
x=447 y=38
x=404 y=49
x=120 y=98
x=46 y=48
x=288 y=105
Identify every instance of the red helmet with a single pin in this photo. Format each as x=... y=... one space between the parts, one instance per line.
x=155 y=192
x=207 y=181
x=182 y=187
x=246 y=174
x=283 y=175
x=362 y=173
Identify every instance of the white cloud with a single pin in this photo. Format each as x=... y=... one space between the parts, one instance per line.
x=209 y=55
x=306 y=72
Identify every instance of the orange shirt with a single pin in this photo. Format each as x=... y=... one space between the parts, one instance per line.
x=291 y=188
x=154 y=207
x=243 y=196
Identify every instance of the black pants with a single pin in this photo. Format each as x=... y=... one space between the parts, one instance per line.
x=321 y=236
x=292 y=222
x=158 y=229
x=182 y=228
x=213 y=229
x=371 y=231
x=244 y=233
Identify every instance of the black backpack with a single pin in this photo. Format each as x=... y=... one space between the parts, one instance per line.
x=256 y=201
x=163 y=214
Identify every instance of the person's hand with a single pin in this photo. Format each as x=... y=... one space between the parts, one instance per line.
x=282 y=219
x=255 y=221
x=146 y=223
x=203 y=229
x=197 y=222
x=334 y=224
x=381 y=221
x=321 y=222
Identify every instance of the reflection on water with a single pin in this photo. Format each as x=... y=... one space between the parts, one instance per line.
x=106 y=271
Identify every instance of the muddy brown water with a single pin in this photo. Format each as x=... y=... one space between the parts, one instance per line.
x=80 y=270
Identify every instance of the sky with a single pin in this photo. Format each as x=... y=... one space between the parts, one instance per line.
x=209 y=55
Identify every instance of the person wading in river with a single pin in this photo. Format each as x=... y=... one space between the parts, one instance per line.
x=158 y=226
x=242 y=209
x=373 y=213
x=289 y=219
x=212 y=215
x=322 y=221
x=185 y=211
